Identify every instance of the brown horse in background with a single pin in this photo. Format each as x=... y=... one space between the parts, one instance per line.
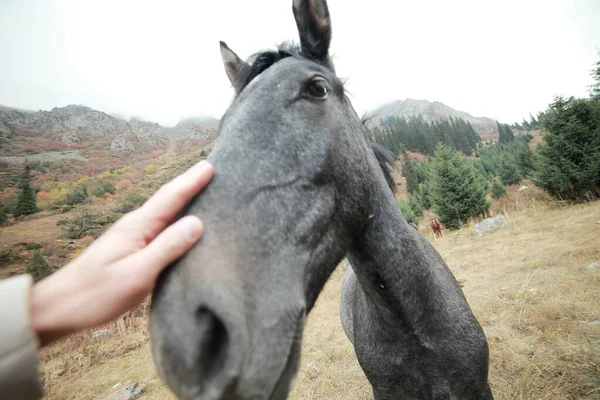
x=436 y=226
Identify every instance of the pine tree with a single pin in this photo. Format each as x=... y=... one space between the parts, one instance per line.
x=408 y=170
x=3 y=217
x=509 y=171
x=457 y=188
x=568 y=163
x=595 y=88
x=505 y=133
x=26 y=201
x=38 y=267
x=426 y=195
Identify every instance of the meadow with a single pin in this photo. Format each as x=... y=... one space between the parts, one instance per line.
x=531 y=285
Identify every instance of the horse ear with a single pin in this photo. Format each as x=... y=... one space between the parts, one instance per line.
x=314 y=27
x=235 y=67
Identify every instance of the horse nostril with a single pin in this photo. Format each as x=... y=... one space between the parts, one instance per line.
x=213 y=342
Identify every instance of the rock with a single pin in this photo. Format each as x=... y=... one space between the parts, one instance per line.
x=491 y=224
x=522 y=188
x=101 y=334
x=456 y=234
x=595 y=323
x=533 y=291
x=130 y=391
x=312 y=370
x=592 y=266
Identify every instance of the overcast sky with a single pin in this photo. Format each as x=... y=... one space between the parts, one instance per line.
x=160 y=60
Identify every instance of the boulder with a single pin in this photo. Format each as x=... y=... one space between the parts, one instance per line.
x=129 y=391
x=491 y=224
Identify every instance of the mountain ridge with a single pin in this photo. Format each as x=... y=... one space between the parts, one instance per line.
x=432 y=111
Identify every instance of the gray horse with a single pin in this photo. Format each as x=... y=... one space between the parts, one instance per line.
x=297 y=186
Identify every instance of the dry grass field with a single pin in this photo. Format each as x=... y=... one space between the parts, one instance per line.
x=528 y=285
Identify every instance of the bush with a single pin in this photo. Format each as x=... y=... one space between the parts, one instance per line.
x=130 y=202
x=3 y=217
x=409 y=214
x=77 y=195
x=498 y=189
x=38 y=267
x=84 y=222
x=104 y=187
x=411 y=209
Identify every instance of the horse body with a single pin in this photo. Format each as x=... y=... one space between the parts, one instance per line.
x=436 y=226
x=411 y=327
x=297 y=186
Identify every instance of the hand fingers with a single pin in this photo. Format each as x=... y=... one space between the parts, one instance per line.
x=167 y=247
x=170 y=198
x=160 y=210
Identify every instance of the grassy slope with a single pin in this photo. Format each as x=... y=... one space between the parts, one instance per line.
x=527 y=284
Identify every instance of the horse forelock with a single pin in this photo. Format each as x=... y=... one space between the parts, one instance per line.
x=262 y=60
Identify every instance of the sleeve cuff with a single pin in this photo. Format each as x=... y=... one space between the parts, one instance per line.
x=19 y=362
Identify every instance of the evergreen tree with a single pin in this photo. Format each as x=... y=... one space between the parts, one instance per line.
x=595 y=88
x=408 y=170
x=3 y=217
x=505 y=133
x=26 y=201
x=524 y=159
x=568 y=163
x=426 y=195
x=457 y=189
x=498 y=189
x=38 y=267
x=415 y=204
x=407 y=211
x=509 y=172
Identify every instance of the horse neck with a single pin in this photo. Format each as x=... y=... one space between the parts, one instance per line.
x=399 y=271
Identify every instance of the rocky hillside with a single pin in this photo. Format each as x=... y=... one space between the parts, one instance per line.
x=25 y=132
x=195 y=129
x=485 y=127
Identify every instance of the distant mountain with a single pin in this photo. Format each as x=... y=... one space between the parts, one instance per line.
x=195 y=129
x=23 y=131
x=485 y=127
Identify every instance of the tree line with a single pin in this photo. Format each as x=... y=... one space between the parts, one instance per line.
x=566 y=165
x=415 y=134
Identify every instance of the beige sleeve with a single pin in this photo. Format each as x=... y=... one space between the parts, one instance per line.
x=18 y=344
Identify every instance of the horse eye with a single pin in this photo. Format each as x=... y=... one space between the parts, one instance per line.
x=318 y=88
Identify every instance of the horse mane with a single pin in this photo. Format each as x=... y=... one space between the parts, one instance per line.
x=262 y=60
x=384 y=157
x=386 y=162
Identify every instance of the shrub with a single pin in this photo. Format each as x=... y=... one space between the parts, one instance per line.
x=84 y=222
x=498 y=189
x=130 y=202
x=38 y=267
x=77 y=195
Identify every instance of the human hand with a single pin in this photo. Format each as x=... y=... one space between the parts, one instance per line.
x=120 y=268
